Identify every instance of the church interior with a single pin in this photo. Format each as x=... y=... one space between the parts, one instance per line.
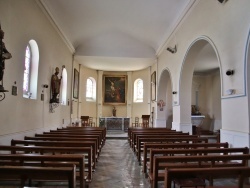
x=118 y=68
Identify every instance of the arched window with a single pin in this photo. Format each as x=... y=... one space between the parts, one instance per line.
x=30 y=73
x=91 y=89
x=26 y=74
x=64 y=87
x=138 y=90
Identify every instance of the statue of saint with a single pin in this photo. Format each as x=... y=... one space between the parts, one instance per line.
x=4 y=55
x=55 y=86
x=114 y=112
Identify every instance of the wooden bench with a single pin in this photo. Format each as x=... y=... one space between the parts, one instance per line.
x=79 y=133
x=46 y=161
x=241 y=172
x=86 y=151
x=72 y=135
x=59 y=144
x=191 y=152
x=166 y=135
x=148 y=146
x=24 y=173
x=52 y=138
x=101 y=130
x=132 y=132
x=183 y=139
x=155 y=134
x=162 y=162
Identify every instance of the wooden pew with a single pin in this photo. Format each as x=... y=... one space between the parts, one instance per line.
x=59 y=144
x=72 y=135
x=162 y=162
x=132 y=132
x=183 y=139
x=23 y=173
x=136 y=135
x=191 y=152
x=80 y=132
x=86 y=151
x=52 y=138
x=241 y=172
x=45 y=160
x=148 y=146
x=101 y=130
x=166 y=135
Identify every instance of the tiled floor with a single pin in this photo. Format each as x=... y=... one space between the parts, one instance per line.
x=118 y=168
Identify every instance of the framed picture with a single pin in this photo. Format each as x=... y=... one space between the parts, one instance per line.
x=114 y=89
x=153 y=86
x=76 y=84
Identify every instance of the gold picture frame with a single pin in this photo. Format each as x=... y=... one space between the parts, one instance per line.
x=114 y=90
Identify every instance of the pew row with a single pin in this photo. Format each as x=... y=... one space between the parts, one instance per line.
x=24 y=173
x=48 y=150
x=205 y=161
x=148 y=146
x=52 y=138
x=46 y=161
x=217 y=172
x=59 y=144
x=191 y=152
x=180 y=139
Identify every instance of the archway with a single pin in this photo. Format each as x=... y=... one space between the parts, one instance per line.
x=164 y=107
x=200 y=85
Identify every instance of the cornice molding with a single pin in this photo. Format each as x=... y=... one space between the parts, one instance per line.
x=50 y=17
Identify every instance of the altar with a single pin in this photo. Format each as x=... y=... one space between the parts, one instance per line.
x=197 y=121
x=114 y=123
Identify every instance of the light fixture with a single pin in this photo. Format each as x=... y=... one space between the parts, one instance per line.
x=222 y=1
x=229 y=72
x=172 y=50
x=230 y=91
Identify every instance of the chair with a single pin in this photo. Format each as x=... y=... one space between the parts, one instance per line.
x=145 y=120
x=85 y=121
x=136 y=123
x=91 y=123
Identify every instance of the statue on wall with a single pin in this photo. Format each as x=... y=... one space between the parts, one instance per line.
x=55 y=86
x=5 y=54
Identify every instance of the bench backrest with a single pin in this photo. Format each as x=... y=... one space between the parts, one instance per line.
x=147 y=146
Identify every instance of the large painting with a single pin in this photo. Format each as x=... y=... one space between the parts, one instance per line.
x=153 y=86
x=76 y=84
x=114 y=89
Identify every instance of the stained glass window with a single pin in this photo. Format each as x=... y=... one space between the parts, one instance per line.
x=26 y=75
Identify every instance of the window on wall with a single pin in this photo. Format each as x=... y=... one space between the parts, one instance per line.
x=64 y=86
x=26 y=74
x=30 y=73
x=91 y=89
x=138 y=90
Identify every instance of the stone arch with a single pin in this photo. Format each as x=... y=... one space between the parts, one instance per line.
x=202 y=59
x=165 y=114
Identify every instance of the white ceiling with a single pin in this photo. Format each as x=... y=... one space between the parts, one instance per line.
x=117 y=35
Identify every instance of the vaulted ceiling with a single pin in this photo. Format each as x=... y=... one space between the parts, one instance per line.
x=116 y=35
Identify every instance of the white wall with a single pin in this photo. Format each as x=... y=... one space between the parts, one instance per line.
x=22 y=21
x=209 y=100
x=226 y=26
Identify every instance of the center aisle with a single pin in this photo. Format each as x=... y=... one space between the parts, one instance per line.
x=117 y=167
